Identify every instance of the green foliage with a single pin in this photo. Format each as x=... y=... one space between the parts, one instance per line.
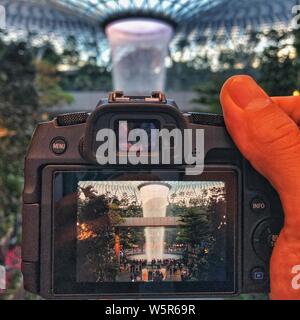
x=278 y=68
x=28 y=81
x=18 y=106
x=97 y=214
x=47 y=53
x=131 y=237
x=200 y=231
x=71 y=54
x=183 y=76
x=89 y=77
x=83 y=75
x=47 y=85
x=197 y=225
x=15 y=289
x=208 y=92
x=231 y=61
x=79 y=75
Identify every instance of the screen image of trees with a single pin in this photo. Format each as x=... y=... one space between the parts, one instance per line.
x=197 y=243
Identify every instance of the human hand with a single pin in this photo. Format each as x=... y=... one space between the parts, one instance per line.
x=265 y=129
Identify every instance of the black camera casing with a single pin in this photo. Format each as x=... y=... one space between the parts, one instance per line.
x=67 y=143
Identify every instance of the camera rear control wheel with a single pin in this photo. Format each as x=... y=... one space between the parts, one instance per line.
x=264 y=238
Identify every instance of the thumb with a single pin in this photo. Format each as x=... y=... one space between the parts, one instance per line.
x=263 y=132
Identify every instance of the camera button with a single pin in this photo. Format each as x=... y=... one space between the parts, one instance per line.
x=58 y=145
x=257 y=274
x=258 y=205
x=264 y=238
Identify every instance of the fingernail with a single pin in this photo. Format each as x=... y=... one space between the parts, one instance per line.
x=247 y=94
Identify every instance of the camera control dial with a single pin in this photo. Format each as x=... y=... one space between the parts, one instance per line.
x=70 y=119
x=264 y=238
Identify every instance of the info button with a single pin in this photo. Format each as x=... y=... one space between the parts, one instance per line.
x=258 y=205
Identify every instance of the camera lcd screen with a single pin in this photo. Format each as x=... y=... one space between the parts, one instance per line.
x=144 y=232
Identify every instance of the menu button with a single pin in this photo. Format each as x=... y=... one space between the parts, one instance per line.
x=58 y=145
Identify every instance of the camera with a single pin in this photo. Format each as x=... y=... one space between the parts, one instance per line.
x=143 y=230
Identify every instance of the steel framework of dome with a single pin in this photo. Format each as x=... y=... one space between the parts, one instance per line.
x=192 y=17
x=139 y=31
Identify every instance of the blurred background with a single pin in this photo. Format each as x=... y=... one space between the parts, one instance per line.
x=60 y=56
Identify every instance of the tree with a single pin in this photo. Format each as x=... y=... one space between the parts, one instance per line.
x=19 y=104
x=199 y=232
x=47 y=86
x=230 y=61
x=278 y=69
x=196 y=225
x=88 y=77
x=21 y=99
x=97 y=217
x=71 y=54
x=47 y=53
x=208 y=92
x=130 y=236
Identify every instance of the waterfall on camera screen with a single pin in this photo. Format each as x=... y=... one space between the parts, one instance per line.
x=154 y=202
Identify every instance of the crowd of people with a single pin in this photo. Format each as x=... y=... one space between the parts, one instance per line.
x=174 y=269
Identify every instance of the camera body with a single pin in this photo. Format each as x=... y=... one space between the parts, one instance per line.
x=68 y=198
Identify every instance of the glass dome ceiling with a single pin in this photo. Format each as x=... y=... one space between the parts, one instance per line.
x=192 y=17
